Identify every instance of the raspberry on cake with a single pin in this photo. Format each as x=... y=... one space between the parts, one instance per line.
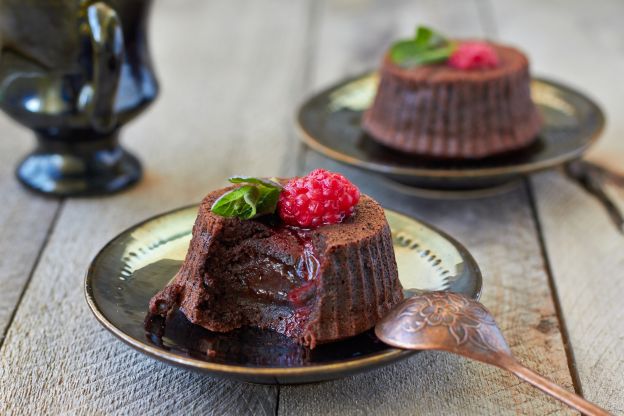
x=474 y=55
x=321 y=197
x=308 y=257
x=453 y=99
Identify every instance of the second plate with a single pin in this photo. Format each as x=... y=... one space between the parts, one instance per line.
x=329 y=123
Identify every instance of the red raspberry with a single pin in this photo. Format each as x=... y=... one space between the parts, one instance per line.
x=321 y=197
x=474 y=55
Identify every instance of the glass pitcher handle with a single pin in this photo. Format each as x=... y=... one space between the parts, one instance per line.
x=97 y=97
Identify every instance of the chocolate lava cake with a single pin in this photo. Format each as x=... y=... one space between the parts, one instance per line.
x=314 y=285
x=445 y=111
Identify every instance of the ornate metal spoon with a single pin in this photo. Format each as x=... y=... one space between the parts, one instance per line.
x=455 y=323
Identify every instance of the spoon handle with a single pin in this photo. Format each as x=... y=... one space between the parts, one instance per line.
x=573 y=400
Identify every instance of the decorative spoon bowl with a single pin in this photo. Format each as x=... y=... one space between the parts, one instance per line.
x=455 y=323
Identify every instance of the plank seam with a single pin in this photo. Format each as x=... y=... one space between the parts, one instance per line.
x=44 y=244
x=311 y=36
x=567 y=344
x=486 y=18
x=309 y=59
x=277 y=399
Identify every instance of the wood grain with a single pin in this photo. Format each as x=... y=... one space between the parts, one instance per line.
x=585 y=250
x=586 y=257
x=228 y=70
x=25 y=220
x=500 y=232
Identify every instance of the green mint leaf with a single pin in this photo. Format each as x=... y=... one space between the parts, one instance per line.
x=267 y=201
x=404 y=51
x=256 y=196
x=423 y=34
x=427 y=46
x=240 y=202
x=251 y=198
x=430 y=56
x=429 y=38
x=269 y=183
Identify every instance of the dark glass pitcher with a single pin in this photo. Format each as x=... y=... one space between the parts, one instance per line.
x=75 y=71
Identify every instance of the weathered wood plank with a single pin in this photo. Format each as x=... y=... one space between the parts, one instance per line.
x=582 y=43
x=25 y=220
x=227 y=71
x=500 y=232
x=586 y=257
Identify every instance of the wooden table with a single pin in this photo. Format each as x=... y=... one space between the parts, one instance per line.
x=232 y=74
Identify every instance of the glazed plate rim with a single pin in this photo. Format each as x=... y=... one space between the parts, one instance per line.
x=472 y=172
x=327 y=371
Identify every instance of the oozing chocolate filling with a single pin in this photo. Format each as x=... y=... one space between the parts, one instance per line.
x=268 y=281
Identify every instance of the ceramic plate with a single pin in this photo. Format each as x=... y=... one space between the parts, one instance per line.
x=130 y=269
x=330 y=124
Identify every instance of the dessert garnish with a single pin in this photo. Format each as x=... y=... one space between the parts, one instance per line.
x=319 y=198
x=256 y=197
x=473 y=55
x=426 y=47
x=430 y=47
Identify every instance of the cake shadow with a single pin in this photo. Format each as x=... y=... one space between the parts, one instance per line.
x=380 y=153
x=249 y=346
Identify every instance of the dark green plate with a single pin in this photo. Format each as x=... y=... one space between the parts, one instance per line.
x=130 y=269
x=329 y=123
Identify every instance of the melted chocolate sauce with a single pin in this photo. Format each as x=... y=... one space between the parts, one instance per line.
x=272 y=280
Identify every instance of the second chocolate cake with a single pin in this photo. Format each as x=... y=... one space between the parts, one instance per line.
x=473 y=103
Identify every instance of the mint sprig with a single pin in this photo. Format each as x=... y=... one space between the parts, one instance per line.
x=257 y=181
x=256 y=197
x=426 y=47
x=429 y=38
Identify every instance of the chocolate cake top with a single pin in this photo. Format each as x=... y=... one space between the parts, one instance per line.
x=510 y=60
x=369 y=218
